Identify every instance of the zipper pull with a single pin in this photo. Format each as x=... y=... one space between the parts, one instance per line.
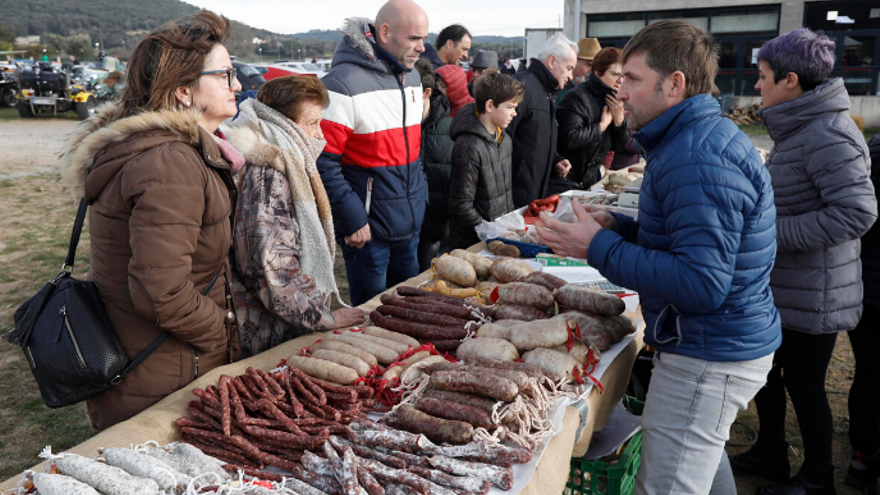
x=369 y=195
x=62 y=312
x=196 y=357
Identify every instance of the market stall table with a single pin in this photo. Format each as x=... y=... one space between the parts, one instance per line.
x=157 y=422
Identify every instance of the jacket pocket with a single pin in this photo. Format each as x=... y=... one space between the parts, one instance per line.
x=663 y=336
x=141 y=299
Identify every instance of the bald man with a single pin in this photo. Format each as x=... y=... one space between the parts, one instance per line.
x=370 y=165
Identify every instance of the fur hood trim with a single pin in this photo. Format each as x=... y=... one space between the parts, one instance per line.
x=108 y=126
x=353 y=29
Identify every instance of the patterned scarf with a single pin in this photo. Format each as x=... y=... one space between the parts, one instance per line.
x=266 y=137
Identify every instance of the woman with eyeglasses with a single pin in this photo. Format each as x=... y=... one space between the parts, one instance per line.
x=158 y=180
x=283 y=243
x=591 y=123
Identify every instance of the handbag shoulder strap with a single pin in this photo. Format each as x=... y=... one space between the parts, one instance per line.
x=74 y=236
x=150 y=349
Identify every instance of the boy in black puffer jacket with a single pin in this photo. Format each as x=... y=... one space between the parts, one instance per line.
x=481 y=188
x=436 y=157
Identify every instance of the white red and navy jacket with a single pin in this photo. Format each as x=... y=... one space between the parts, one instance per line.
x=370 y=166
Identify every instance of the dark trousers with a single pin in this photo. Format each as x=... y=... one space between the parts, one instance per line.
x=864 y=395
x=378 y=265
x=799 y=367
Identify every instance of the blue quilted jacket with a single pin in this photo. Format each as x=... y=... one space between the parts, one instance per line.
x=701 y=253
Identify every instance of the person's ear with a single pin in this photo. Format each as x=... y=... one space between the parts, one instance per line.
x=183 y=95
x=791 y=81
x=426 y=93
x=490 y=106
x=450 y=44
x=385 y=33
x=679 y=84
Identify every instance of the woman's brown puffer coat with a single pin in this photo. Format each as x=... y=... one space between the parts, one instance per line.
x=160 y=197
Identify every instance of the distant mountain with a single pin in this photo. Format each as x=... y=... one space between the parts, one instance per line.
x=333 y=35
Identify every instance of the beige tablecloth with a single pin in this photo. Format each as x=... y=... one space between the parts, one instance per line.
x=157 y=422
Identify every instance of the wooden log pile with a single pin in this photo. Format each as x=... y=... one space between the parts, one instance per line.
x=745 y=116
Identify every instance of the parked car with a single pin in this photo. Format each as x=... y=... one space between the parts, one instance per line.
x=249 y=77
x=324 y=65
x=270 y=72
x=304 y=68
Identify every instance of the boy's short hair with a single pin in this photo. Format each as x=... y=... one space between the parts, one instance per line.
x=426 y=73
x=498 y=87
x=676 y=45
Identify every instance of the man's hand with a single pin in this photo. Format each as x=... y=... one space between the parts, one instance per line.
x=615 y=106
x=601 y=216
x=563 y=167
x=359 y=238
x=569 y=239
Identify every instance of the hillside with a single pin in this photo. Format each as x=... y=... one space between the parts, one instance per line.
x=333 y=35
x=68 y=17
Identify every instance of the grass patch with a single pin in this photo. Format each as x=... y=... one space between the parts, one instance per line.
x=33 y=243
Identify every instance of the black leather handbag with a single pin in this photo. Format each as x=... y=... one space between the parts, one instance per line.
x=67 y=338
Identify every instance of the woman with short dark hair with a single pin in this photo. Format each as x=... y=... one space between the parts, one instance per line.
x=591 y=123
x=283 y=244
x=159 y=184
x=825 y=202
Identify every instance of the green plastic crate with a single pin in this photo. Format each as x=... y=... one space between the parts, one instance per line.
x=601 y=478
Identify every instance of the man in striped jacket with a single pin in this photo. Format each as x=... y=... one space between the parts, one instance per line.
x=370 y=166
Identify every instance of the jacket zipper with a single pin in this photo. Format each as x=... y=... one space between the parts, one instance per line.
x=406 y=141
x=196 y=363
x=79 y=356
x=369 y=195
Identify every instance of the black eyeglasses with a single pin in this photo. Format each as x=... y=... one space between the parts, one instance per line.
x=230 y=75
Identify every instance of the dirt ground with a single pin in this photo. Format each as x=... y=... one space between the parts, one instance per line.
x=35 y=218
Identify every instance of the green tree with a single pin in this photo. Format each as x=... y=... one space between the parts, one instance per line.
x=7 y=34
x=54 y=42
x=79 y=45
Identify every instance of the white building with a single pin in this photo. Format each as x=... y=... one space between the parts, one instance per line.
x=740 y=27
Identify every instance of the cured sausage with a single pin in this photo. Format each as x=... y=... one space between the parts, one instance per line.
x=323 y=369
x=476 y=383
x=410 y=303
x=445 y=409
x=423 y=317
x=344 y=359
x=487 y=347
x=106 y=479
x=386 y=334
x=420 y=331
x=479 y=402
x=456 y=270
x=481 y=264
x=523 y=294
x=547 y=280
x=336 y=345
x=383 y=353
x=437 y=429
x=510 y=270
x=517 y=312
x=593 y=301
x=470 y=485
x=551 y=361
x=498 y=476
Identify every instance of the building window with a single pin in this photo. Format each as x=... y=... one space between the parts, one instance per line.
x=760 y=22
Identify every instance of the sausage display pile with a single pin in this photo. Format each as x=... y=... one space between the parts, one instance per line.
x=259 y=419
x=375 y=459
x=481 y=399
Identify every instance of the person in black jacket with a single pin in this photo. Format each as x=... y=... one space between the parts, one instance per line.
x=481 y=157
x=437 y=161
x=591 y=123
x=864 y=394
x=534 y=128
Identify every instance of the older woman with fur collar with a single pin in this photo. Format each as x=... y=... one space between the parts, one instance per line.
x=160 y=189
x=284 y=244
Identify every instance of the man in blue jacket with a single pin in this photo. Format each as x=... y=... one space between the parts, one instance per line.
x=370 y=165
x=700 y=257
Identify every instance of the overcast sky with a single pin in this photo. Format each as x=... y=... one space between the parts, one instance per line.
x=481 y=17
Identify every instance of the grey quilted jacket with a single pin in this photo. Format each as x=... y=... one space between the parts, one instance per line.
x=820 y=168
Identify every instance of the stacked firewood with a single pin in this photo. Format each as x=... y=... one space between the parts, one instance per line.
x=745 y=116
